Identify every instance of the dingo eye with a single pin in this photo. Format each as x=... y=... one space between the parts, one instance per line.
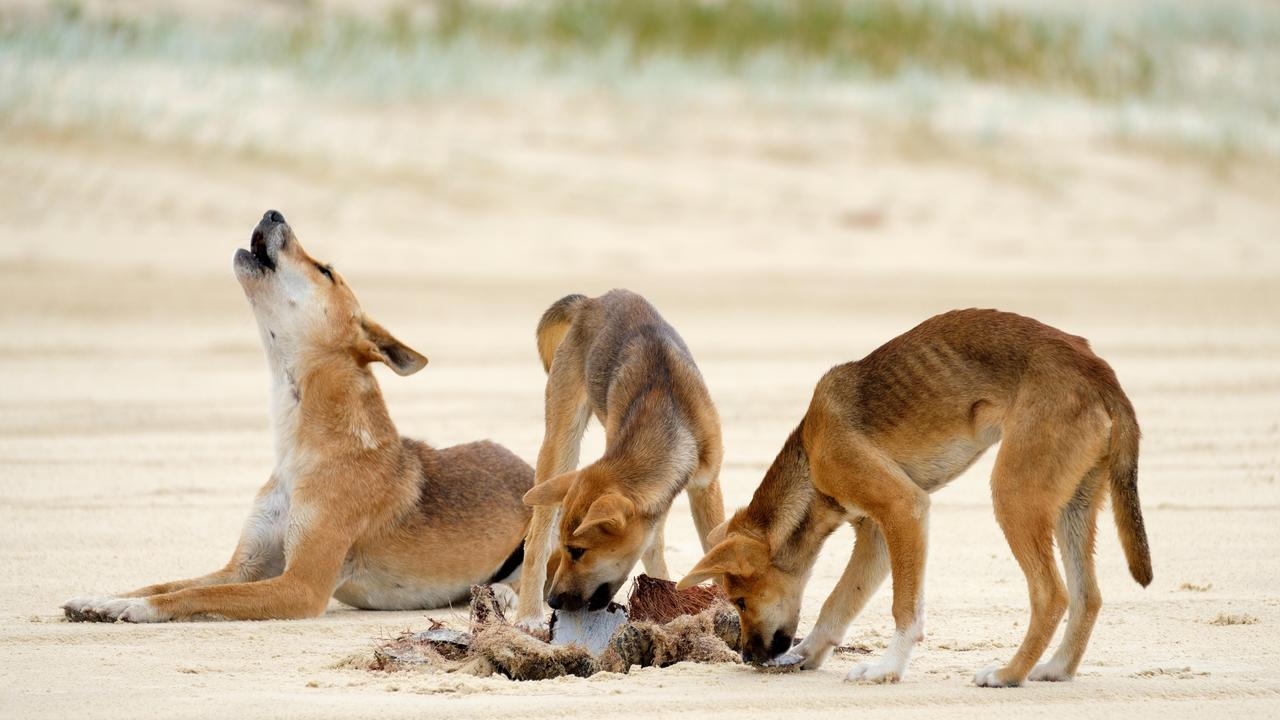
x=575 y=552
x=741 y=603
x=326 y=271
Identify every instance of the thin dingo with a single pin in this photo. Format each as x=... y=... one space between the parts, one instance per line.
x=884 y=432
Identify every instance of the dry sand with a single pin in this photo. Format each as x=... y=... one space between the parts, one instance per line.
x=133 y=426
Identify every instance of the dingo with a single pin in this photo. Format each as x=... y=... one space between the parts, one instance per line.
x=353 y=510
x=884 y=432
x=614 y=356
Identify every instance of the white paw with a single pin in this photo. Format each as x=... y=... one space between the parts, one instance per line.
x=83 y=608
x=1049 y=672
x=79 y=603
x=535 y=626
x=506 y=597
x=111 y=609
x=789 y=660
x=880 y=672
x=990 y=677
x=812 y=651
x=138 y=610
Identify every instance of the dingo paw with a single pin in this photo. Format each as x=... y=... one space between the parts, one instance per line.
x=993 y=676
x=789 y=661
x=112 y=609
x=1049 y=672
x=881 y=672
x=507 y=598
x=84 y=608
x=535 y=626
x=813 y=652
x=140 y=610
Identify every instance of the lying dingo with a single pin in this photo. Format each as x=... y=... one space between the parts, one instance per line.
x=352 y=510
x=884 y=432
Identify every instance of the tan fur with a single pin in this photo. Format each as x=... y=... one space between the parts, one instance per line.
x=616 y=358
x=353 y=510
x=884 y=432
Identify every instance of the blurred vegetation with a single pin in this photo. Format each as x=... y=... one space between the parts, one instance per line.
x=876 y=37
x=860 y=39
x=1193 y=73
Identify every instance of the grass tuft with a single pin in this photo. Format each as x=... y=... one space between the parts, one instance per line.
x=1225 y=619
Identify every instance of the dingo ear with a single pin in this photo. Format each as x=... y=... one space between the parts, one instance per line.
x=384 y=348
x=610 y=512
x=716 y=536
x=736 y=555
x=550 y=492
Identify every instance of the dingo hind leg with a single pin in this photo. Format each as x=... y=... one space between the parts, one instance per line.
x=655 y=557
x=1037 y=472
x=1077 y=527
x=706 y=502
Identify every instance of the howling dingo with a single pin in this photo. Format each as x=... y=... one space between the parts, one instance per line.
x=352 y=510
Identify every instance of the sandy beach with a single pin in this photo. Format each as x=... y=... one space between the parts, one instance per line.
x=780 y=239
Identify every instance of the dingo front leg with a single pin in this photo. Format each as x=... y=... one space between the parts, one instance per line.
x=867 y=568
x=859 y=476
x=567 y=413
x=311 y=573
x=905 y=530
x=533 y=577
x=259 y=554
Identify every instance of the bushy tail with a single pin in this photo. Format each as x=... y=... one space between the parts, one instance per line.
x=1124 y=488
x=554 y=325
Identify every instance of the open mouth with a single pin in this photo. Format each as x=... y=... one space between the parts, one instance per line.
x=258 y=249
x=261 y=258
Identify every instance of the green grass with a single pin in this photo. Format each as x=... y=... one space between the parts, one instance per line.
x=872 y=37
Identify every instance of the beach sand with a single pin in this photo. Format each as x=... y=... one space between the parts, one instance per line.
x=133 y=426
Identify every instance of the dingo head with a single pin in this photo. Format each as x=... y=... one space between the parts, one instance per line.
x=305 y=310
x=767 y=597
x=602 y=534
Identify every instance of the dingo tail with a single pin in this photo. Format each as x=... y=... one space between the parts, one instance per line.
x=555 y=324
x=1123 y=472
